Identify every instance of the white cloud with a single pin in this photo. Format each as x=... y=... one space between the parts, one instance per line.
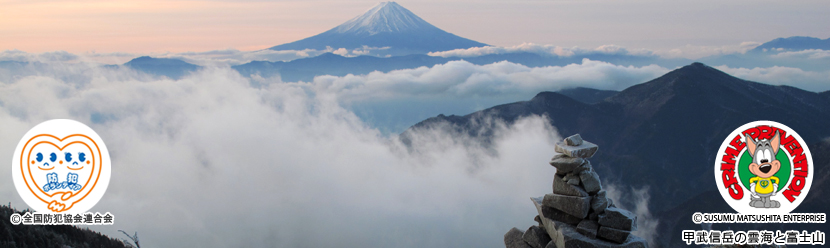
x=464 y=79
x=697 y=51
x=208 y=161
x=636 y=201
x=235 y=57
x=688 y=51
x=547 y=50
x=208 y=58
x=778 y=75
x=17 y=55
x=813 y=54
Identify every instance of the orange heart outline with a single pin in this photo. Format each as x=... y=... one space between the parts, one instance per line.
x=96 y=169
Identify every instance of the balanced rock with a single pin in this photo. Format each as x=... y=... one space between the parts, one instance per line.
x=593 y=216
x=574 y=140
x=585 y=150
x=560 y=186
x=549 y=214
x=578 y=213
x=567 y=236
x=565 y=164
x=583 y=167
x=571 y=178
x=577 y=206
x=539 y=220
x=618 y=218
x=536 y=237
x=513 y=239
x=599 y=202
x=588 y=228
x=613 y=234
x=590 y=180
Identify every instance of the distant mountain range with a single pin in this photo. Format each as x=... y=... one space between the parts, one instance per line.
x=795 y=43
x=172 y=68
x=663 y=134
x=306 y=69
x=388 y=24
x=331 y=64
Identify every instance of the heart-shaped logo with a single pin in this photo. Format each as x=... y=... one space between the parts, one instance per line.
x=61 y=166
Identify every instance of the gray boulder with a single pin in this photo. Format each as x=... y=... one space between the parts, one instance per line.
x=574 y=140
x=539 y=220
x=585 y=150
x=599 y=202
x=565 y=164
x=612 y=234
x=536 y=237
x=560 y=186
x=571 y=178
x=618 y=218
x=567 y=236
x=583 y=167
x=593 y=216
x=577 y=206
x=588 y=228
x=590 y=180
x=513 y=239
x=549 y=214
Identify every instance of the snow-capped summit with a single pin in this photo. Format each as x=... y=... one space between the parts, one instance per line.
x=387 y=24
x=384 y=17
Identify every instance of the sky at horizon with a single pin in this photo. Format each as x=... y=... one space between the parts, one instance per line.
x=180 y=26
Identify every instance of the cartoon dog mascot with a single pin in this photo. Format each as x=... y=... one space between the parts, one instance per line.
x=764 y=166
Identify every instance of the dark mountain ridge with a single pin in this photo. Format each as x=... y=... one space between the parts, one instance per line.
x=663 y=133
x=50 y=235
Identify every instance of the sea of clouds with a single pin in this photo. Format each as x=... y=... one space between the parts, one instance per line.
x=210 y=161
x=689 y=51
x=216 y=159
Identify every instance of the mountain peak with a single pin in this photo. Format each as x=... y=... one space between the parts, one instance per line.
x=386 y=25
x=384 y=17
x=700 y=70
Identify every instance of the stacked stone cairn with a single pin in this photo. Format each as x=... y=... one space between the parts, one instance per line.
x=578 y=213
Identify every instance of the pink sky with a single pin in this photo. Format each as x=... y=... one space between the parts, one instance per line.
x=179 y=26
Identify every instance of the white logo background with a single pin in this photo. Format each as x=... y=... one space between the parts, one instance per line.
x=92 y=190
x=742 y=205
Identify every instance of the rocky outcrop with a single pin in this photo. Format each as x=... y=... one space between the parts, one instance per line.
x=578 y=212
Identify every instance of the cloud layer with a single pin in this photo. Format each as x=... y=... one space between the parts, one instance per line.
x=816 y=81
x=688 y=51
x=209 y=161
x=548 y=50
x=464 y=79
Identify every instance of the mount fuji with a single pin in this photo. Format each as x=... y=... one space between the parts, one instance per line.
x=385 y=25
